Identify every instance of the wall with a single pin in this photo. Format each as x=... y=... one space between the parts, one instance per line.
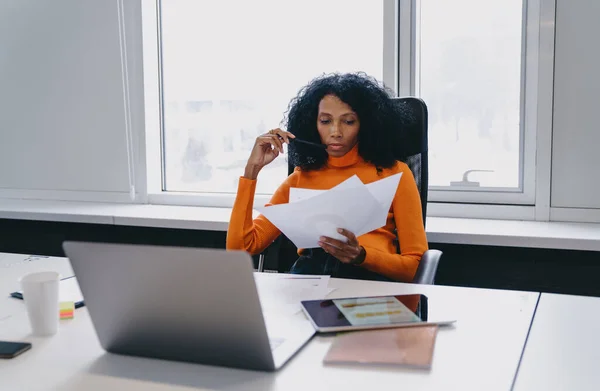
x=576 y=130
x=62 y=106
x=62 y=116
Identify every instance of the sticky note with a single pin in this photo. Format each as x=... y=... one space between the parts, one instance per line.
x=67 y=310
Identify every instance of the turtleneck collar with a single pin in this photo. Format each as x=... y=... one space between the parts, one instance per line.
x=350 y=158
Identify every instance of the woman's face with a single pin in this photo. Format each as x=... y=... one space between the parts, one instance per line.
x=338 y=125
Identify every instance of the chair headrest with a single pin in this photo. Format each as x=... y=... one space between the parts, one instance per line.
x=412 y=131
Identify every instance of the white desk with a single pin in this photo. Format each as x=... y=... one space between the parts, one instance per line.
x=480 y=353
x=563 y=349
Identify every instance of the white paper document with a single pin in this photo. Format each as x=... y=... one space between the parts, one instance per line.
x=282 y=293
x=352 y=205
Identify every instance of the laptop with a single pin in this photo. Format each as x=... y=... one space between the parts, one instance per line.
x=182 y=304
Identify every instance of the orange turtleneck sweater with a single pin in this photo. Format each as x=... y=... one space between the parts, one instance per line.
x=254 y=236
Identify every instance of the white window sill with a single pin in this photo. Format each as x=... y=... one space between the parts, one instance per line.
x=511 y=233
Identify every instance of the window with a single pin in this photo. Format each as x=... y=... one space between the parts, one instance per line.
x=229 y=71
x=469 y=72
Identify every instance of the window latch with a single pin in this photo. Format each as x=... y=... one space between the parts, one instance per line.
x=465 y=182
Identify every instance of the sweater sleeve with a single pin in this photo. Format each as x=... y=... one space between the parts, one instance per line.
x=406 y=208
x=244 y=233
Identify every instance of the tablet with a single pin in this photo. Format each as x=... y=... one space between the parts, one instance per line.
x=361 y=313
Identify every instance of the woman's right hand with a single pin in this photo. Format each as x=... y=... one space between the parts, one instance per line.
x=266 y=148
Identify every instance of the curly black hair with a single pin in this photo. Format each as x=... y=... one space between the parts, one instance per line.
x=371 y=101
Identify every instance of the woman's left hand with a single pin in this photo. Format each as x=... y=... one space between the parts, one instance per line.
x=348 y=252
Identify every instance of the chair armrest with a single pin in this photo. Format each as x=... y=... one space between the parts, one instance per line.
x=427 y=267
x=261 y=262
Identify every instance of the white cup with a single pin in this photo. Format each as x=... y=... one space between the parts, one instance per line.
x=40 y=292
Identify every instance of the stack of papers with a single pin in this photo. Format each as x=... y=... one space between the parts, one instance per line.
x=351 y=205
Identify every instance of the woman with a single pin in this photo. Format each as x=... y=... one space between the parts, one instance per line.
x=356 y=119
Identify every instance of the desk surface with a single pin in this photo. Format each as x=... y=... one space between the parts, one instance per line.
x=481 y=352
x=563 y=348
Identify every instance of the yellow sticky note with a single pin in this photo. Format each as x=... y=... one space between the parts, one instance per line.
x=66 y=310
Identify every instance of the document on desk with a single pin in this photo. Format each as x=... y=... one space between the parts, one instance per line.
x=352 y=205
x=282 y=293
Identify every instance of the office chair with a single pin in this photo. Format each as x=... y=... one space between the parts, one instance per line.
x=412 y=148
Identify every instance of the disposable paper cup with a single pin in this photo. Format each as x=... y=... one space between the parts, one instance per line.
x=40 y=292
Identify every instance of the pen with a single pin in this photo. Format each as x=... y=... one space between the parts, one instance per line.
x=316 y=145
x=297 y=140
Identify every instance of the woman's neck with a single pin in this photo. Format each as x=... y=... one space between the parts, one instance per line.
x=349 y=159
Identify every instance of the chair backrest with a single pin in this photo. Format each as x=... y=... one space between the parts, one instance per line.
x=411 y=148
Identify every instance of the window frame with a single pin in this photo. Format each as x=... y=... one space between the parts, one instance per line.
x=530 y=69
x=154 y=108
x=400 y=74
